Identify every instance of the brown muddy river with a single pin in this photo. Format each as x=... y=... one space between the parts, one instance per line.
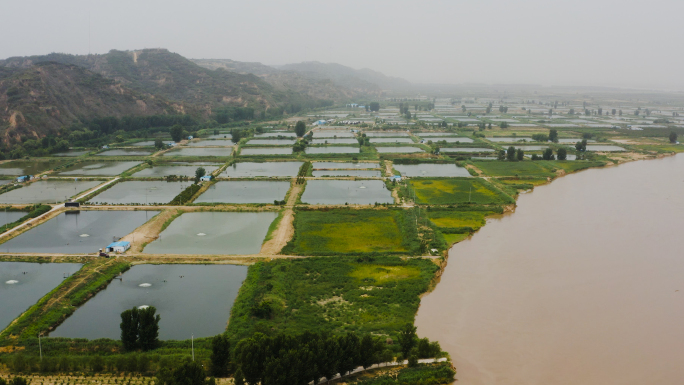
x=583 y=284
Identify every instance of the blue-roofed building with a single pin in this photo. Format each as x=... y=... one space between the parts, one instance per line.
x=24 y=178
x=395 y=178
x=118 y=247
x=206 y=178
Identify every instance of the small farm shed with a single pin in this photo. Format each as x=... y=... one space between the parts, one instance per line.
x=118 y=247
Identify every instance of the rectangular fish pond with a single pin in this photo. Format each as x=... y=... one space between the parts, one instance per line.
x=354 y=165
x=272 y=142
x=431 y=169
x=244 y=191
x=212 y=143
x=47 y=191
x=373 y=134
x=325 y=141
x=140 y=193
x=391 y=140
x=464 y=149
x=339 y=192
x=276 y=135
x=150 y=143
x=359 y=173
x=179 y=293
x=406 y=149
x=77 y=232
x=606 y=148
x=332 y=134
x=188 y=169
x=95 y=168
x=254 y=169
x=22 y=284
x=332 y=150
x=266 y=151
x=70 y=153
x=125 y=152
x=10 y=216
x=214 y=233
x=199 y=151
x=452 y=139
x=29 y=167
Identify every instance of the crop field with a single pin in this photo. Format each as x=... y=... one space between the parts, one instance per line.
x=458 y=219
x=524 y=168
x=333 y=295
x=455 y=191
x=343 y=232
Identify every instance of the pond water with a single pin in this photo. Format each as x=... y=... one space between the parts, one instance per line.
x=140 y=192
x=530 y=147
x=317 y=165
x=607 y=148
x=22 y=284
x=431 y=169
x=266 y=151
x=591 y=292
x=244 y=191
x=574 y=140
x=218 y=233
x=465 y=149
x=276 y=134
x=457 y=139
x=335 y=141
x=225 y=135
x=125 y=152
x=509 y=139
x=250 y=169
x=212 y=143
x=272 y=142
x=77 y=233
x=391 y=140
x=332 y=134
x=28 y=167
x=339 y=192
x=385 y=133
x=95 y=168
x=359 y=173
x=71 y=153
x=333 y=150
x=48 y=191
x=188 y=151
x=406 y=149
x=10 y=216
x=185 y=170
x=179 y=293
x=150 y=143
x=423 y=134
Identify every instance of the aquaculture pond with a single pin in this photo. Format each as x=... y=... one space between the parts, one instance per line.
x=10 y=216
x=214 y=233
x=77 y=232
x=266 y=151
x=406 y=149
x=28 y=167
x=509 y=139
x=95 y=168
x=197 y=151
x=71 y=153
x=423 y=134
x=335 y=141
x=225 y=135
x=272 y=142
x=150 y=143
x=212 y=143
x=332 y=150
x=359 y=173
x=607 y=148
x=244 y=191
x=317 y=165
x=431 y=169
x=276 y=134
x=161 y=171
x=465 y=149
x=339 y=192
x=140 y=192
x=391 y=140
x=179 y=293
x=332 y=134
x=452 y=139
x=47 y=191
x=125 y=152
x=391 y=133
x=22 y=284
x=251 y=169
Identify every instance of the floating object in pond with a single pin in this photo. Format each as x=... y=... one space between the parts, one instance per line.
x=201 y=234
x=11 y=282
x=145 y=285
x=142 y=307
x=362 y=187
x=84 y=235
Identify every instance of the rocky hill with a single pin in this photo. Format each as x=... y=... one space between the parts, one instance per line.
x=38 y=99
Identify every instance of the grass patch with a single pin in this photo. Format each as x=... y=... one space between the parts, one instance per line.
x=330 y=295
x=452 y=219
x=273 y=226
x=433 y=374
x=457 y=190
x=574 y=165
x=347 y=232
x=454 y=238
x=660 y=148
x=524 y=168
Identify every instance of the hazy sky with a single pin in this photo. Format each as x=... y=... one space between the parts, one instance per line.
x=550 y=42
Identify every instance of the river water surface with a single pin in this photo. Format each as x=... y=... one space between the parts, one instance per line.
x=583 y=284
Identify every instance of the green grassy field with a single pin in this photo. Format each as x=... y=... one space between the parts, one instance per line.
x=472 y=219
x=524 y=168
x=332 y=295
x=456 y=190
x=455 y=238
x=660 y=148
x=572 y=165
x=343 y=232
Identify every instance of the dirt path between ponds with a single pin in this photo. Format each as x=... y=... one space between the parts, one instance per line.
x=285 y=230
x=149 y=231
